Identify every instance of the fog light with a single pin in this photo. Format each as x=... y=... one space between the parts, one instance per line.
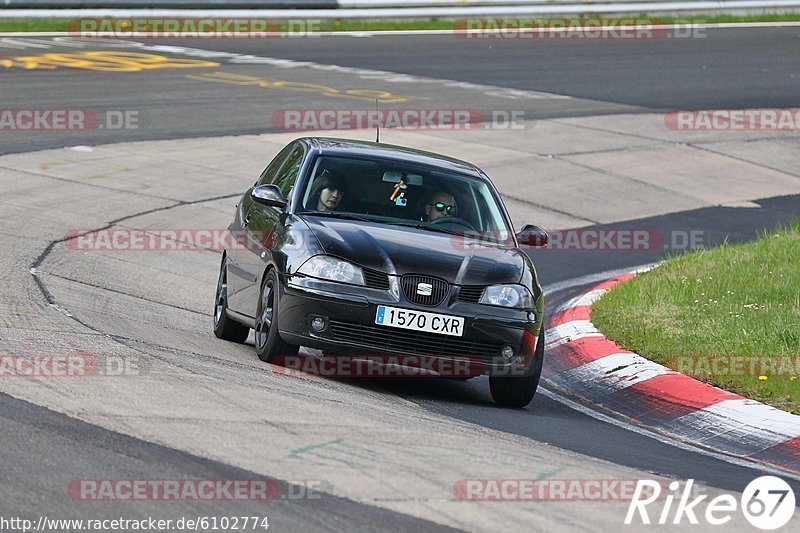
x=318 y=324
x=508 y=352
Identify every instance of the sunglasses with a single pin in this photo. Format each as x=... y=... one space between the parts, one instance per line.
x=443 y=207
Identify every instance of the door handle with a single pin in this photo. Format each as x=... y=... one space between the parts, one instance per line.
x=247 y=221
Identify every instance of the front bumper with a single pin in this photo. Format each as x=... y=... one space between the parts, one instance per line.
x=350 y=328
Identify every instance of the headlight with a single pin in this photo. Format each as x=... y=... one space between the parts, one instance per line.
x=515 y=296
x=332 y=269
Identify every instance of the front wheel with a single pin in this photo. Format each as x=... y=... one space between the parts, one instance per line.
x=518 y=391
x=224 y=326
x=269 y=344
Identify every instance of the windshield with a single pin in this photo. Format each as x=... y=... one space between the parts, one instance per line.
x=393 y=192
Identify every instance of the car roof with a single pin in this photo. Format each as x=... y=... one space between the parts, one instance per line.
x=352 y=147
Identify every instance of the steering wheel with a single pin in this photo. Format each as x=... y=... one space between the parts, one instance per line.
x=454 y=221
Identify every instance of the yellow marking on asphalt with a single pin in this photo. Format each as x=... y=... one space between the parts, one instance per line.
x=29 y=65
x=109 y=61
x=356 y=94
x=47 y=164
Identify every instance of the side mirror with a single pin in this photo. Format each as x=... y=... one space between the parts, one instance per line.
x=269 y=195
x=531 y=235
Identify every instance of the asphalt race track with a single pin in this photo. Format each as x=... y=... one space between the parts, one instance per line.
x=747 y=68
x=591 y=151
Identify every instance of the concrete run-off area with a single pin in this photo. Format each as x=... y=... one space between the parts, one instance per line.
x=195 y=393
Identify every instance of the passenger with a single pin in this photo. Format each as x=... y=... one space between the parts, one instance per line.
x=327 y=191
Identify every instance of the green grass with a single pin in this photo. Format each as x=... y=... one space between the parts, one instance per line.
x=736 y=303
x=50 y=25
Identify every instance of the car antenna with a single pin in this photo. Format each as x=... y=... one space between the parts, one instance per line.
x=377 y=124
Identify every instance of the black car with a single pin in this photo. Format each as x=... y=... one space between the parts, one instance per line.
x=363 y=248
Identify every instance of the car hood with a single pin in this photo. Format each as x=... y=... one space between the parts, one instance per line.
x=405 y=250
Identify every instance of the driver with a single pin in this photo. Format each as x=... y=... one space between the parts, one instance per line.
x=441 y=205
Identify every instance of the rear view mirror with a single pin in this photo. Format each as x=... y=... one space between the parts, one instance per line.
x=531 y=235
x=408 y=179
x=268 y=195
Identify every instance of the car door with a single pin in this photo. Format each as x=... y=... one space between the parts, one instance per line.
x=262 y=228
x=239 y=277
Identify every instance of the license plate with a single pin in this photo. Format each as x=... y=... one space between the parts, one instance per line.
x=420 y=321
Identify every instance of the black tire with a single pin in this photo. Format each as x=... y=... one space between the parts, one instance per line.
x=224 y=326
x=269 y=344
x=518 y=391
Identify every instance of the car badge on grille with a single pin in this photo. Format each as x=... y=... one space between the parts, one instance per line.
x=424 y=289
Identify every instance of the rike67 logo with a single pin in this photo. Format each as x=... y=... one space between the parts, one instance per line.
x=767 y=503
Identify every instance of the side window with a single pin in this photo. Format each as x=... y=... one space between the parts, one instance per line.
x=290 y=170
x=274 y=166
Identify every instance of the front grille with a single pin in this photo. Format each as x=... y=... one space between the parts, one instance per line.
x=470 y=293
x=439 y=289
x=376 y=280
x=387 y=340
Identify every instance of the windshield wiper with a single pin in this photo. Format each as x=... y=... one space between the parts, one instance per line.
x=426 y=227
x=334 y=214
x=348 y=216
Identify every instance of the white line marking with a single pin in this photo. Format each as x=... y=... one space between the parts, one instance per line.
x=21 y=44
x=369 y=74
